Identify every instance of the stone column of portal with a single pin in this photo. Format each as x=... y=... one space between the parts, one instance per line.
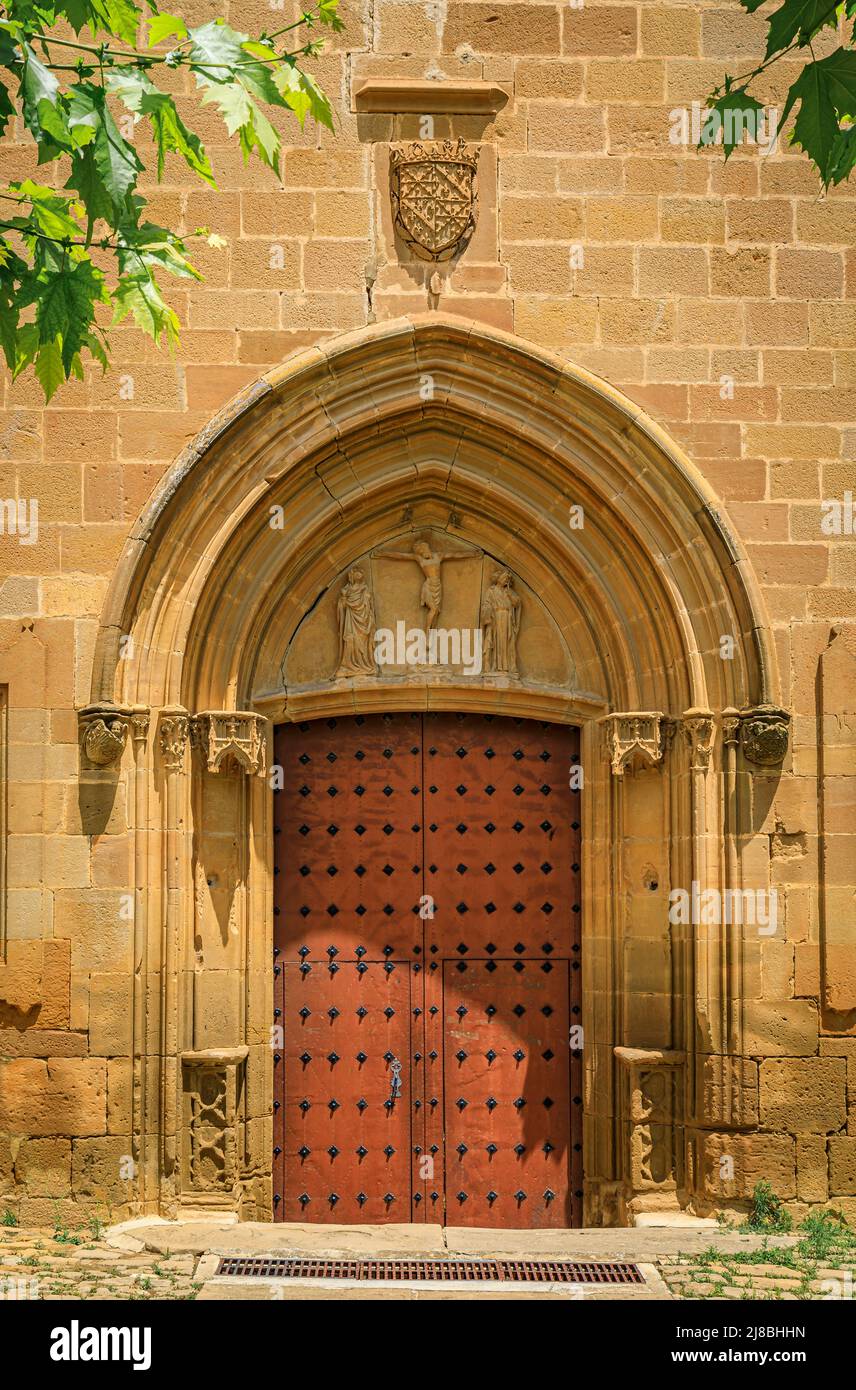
x=139 y=736
x=703 y=986
x=173 y=732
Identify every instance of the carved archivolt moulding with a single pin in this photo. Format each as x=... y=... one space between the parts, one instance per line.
x=104 y=732
x=764 y=734
x=233 y=738
x=434 y=195
x=641 y=736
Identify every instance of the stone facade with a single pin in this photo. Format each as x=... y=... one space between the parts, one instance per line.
x=630 y=327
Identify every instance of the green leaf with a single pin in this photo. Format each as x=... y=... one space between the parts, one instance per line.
x=26 y=347
x=233 y=103
x=115 y=159
x=328 y=14
x=735 y=114
x=39 y=93
x=143 y=98
x=303 y=95
x=49 y=367
x=798 y=18
x=97 y=351
x=147 y=244
x=262 y=51
x=51 y=212
x=843 y=157
x=66 y=306
x=84 y=116
x=826 y=92
x=140 y=296
x=839 y=70
x=166 y=26
x=7 y=108
x=119 y=17
x=88 y=183
x=216 y=51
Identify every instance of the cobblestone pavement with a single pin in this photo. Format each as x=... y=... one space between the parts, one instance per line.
x=715 y=1278
x=175 y=1261
x=45 y=1264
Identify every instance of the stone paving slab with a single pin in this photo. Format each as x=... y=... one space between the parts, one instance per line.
x=157 y=1259
x=343 y=1290
x=262 y=1238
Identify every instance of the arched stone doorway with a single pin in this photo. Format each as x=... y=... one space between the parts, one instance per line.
x=627 y=569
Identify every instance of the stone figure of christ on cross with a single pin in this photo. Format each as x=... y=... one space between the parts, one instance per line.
x=430 y=562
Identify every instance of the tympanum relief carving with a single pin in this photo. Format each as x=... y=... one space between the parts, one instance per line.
x=423 y=606
x=501 y=624
x=356 y=620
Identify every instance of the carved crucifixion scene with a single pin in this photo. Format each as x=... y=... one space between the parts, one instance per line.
x=423 y=603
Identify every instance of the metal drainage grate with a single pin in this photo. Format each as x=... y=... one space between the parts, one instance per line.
x=466 y=1271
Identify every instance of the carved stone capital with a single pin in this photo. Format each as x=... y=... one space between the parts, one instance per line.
x=231 y=738
x=730 y=727
x=764 y=734
x=641 y=736
x=173 y=732
x=104 y=732
x=140 y=724
x=698 y=730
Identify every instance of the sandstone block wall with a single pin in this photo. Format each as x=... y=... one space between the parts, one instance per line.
x=719 y=297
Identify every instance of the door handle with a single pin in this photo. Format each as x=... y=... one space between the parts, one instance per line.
x=395 y=1082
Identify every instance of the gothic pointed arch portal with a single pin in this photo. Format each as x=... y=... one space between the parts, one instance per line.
x=243 y=600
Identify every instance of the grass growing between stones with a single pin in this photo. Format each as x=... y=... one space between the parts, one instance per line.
x=77 y=1264
x=821 y=1264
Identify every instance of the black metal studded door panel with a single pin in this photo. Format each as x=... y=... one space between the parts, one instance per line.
x=507 y=1093
x=350 y=854
x=423 y=861
x=347 y=1103
x=502 y=864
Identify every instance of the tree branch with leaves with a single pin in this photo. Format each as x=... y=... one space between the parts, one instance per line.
x=67 y=68
x=823 y=95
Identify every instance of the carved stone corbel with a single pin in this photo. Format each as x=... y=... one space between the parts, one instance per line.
x=104 y=732
x=640 y=737
x=698 y=729
x=230 y=738
x=764 y=734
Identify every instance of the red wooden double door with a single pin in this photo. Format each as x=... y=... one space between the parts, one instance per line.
x=427 y=972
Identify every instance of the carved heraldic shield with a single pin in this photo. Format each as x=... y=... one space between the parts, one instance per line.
x=434 y=195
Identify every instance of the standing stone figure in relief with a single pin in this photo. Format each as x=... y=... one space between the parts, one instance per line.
x=501 y=624
x=430 y=562
x=355 y=612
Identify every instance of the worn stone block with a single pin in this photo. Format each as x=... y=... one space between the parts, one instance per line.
x=804 y=1095
x=61 y=1096
x=842 y=1166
